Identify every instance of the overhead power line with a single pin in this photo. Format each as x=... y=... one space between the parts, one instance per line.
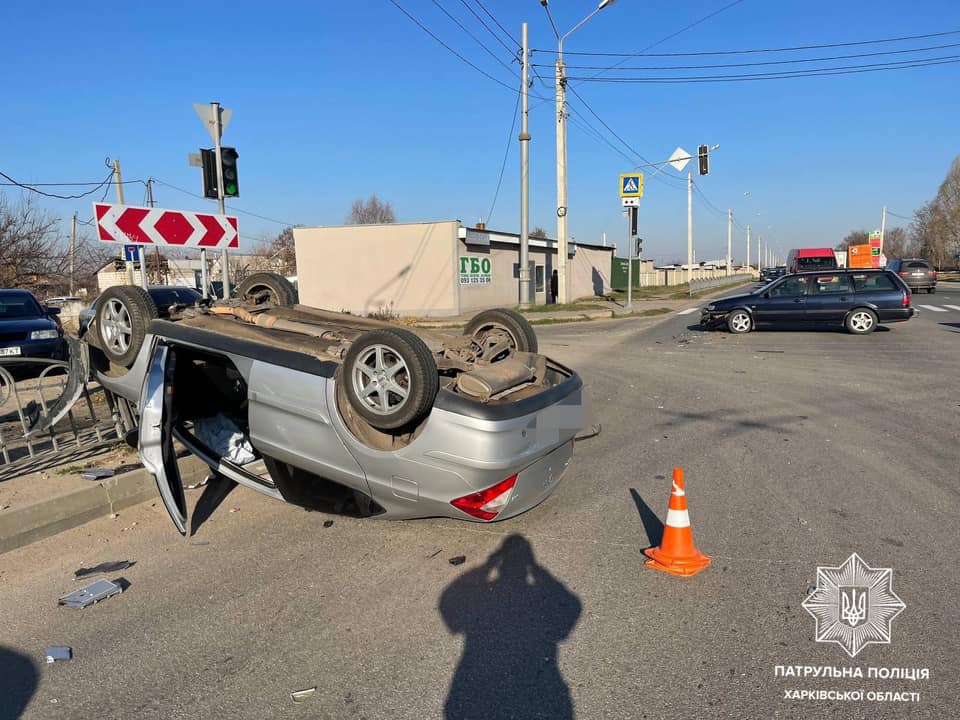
x=474 y=37
x=232 y=209
x=513 y=51
x=33 y=187
x=795 y=48
x=796 y=61
x=450 y=49
x=783 y=74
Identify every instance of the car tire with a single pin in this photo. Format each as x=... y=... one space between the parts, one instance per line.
x=861 y=321
x=123 y=314
x=390 y=378
x=261 y=288
x=739 y=322
x=931 y=291
x=515 y=326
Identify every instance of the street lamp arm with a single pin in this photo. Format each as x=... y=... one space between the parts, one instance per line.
x=552 y=23
x=578 y=26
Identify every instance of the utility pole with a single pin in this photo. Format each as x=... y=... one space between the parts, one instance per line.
x=73 y=249
x=118 y=184
x=218 y=131
x=627 y=212
x=689 y=227
x=748 y=250
x=883 y=227
x=729 y=238
x=524 y=176
x=156 y=250
x=561 y=83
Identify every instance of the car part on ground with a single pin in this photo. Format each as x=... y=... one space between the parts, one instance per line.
x=122 y=315
x=261 y=288
x=491 y=326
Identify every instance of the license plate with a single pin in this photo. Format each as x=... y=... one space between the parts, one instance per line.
x=9 y=351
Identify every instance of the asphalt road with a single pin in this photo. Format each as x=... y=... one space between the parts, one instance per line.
x=799 y=448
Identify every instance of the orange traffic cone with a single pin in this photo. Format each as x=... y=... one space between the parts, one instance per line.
x=677 y=554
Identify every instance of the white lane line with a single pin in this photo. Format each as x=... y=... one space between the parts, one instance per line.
x=934 y=308
x=953 y=307
x=688 y=311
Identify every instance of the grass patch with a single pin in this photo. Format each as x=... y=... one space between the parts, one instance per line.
x=70 y=469
x=574 y=306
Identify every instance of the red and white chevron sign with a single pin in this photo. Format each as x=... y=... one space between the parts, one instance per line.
x=156 y=226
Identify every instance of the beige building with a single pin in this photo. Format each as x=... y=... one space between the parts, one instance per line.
x=433 y=268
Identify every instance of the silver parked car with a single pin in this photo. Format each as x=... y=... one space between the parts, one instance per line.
x=299 y=403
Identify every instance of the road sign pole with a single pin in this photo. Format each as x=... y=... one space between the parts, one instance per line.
x=218 y=131
x=629 y=304
x=118 y=184
x=689 y=230
x=729 y=239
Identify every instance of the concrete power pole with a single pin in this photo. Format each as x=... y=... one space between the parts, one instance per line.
x=156 y=250
x=729 y=239
x=73 y=250
x=561 y=83
x=748 y=248
x=883 y=227
x=689 y=228
x=524 y=177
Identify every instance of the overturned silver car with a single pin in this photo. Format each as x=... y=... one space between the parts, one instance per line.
x=313 y=407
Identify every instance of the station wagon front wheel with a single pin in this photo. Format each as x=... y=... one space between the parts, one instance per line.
x=861 y=321
x=739 y=322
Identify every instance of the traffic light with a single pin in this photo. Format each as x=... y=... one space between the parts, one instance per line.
x=634 y=213
x=228 y=162
x=704 y=155
x=639 y=246
x=208 y=161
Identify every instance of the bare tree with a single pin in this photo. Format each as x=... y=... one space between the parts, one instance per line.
x=279 y=252
x=371 y=211
x=895 y=243
x=935 y=231
x=854 y=237
x=538 y=232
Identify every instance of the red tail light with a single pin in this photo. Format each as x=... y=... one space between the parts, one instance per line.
x=904 y=274
x=489 y=503
x=906 y=299
x=933 y=274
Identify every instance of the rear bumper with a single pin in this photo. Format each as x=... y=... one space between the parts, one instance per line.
x=898 y=315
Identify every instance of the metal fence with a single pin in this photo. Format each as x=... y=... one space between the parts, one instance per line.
x=699 y=285
x=24 y=402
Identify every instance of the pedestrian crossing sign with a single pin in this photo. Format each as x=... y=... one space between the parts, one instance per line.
x=631 y=185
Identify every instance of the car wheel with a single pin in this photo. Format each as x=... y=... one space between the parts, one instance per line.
x=931 y=291
x=739 y=321
x=493 y=326
x=262 y=288
x=390 y=378
x=123 y=314
x=861 y=321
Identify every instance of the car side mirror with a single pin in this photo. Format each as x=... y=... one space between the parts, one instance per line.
x=53 y=311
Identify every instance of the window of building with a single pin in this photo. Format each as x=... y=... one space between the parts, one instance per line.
x=539 y=276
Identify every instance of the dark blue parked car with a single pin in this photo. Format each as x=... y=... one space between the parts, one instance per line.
x=29 y=329
x=855 y=299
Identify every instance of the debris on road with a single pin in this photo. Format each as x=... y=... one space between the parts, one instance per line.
x=328 y=523
x=97 y=473
x=458 y=560
x=301 y=695
x=434 y=553
x=235 y=508
x=103 y=568
x=199 y=484
x=199 y=542
x=57 y=652
x=90 y=594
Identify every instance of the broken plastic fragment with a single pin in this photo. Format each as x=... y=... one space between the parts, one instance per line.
x=97 y=473
x=328 y=523
x=102 y=568
x=301 y=695
x=90 y=594
x=235 y=509
x=458 y=560
x=58 y=652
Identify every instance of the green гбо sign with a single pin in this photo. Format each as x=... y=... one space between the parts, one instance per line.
x=475 y=270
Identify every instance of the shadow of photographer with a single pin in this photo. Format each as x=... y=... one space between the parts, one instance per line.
x=513 y=614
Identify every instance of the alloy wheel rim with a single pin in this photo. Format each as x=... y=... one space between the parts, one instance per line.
x=740 y=322
x=116 y=327
x=381 y=380
x=862 y=321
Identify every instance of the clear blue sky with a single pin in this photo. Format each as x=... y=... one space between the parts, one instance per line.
x=334 y=101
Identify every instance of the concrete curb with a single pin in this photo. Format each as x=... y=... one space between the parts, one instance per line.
x=50 y=516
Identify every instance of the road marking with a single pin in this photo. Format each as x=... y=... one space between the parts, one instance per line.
x=934 y=308
x=953 y=307
x=687 y=311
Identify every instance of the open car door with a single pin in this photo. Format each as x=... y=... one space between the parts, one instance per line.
x=156 y=434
